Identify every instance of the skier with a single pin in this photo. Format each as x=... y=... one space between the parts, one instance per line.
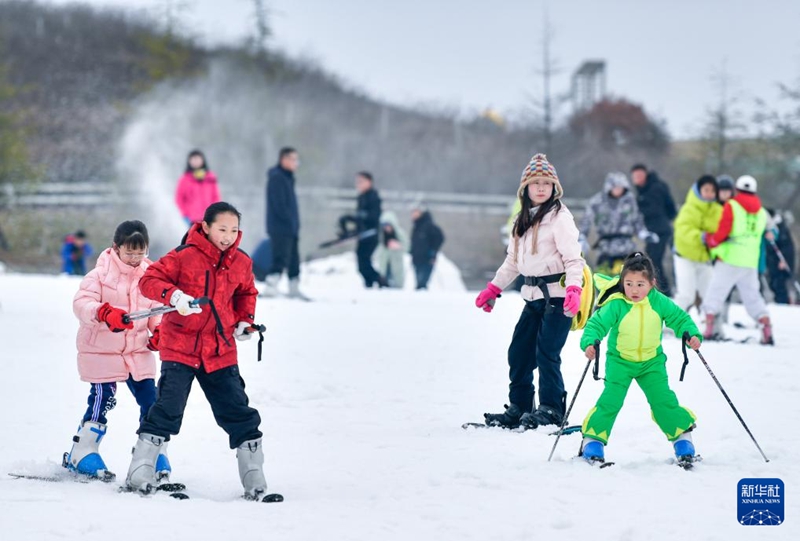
x=634 y=312
x=111 y=350
x=426 y=241
x=658 y=208
x=197 y=188
x=780 y=270
x=366 y=221
x=74 y=253
x=616 y=217
x=736 y=246
x=724 y=189
x=391 y=250
x=199 y=344
x=699 y=215
x=544 y=248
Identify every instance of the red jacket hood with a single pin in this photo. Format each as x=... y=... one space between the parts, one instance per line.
x=196 y=237
x=749 y=201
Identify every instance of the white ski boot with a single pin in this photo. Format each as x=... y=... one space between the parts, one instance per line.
x=142 y=472
x=250 y=455
x=294 y=290
x=271 y=286
x=84 y=458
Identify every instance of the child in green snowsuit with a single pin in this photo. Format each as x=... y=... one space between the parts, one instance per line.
x=635 y=312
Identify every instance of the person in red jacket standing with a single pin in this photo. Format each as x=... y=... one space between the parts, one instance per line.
x=198 y=343
x=197 y=188
x=736 y=249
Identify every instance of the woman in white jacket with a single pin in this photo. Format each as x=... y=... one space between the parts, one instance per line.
x=544 y=248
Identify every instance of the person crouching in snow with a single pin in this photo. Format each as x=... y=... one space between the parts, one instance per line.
x=111 y=350
x=736 y=246
x=199 y=344
x=544 y=248
x=634 y=312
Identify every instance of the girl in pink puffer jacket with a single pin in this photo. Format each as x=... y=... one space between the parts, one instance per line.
x=543 y=248
x=111 y=349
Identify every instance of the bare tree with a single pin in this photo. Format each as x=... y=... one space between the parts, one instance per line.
x=545 y=107
x=724 y=120
x=262 y=28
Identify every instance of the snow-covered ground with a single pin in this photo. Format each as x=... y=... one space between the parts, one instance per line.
x=362 y=395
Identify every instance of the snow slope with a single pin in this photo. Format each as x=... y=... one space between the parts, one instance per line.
x=362 y=395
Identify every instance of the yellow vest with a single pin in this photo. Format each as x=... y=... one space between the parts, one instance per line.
x=742 y=248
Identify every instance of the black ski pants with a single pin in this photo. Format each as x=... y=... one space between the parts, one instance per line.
x=224 y=390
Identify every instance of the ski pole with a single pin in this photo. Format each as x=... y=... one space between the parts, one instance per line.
x=685 y=338
x=700 y=355
x=260 y=329
x=783 y=260
x=574 y=396
x=144 y=314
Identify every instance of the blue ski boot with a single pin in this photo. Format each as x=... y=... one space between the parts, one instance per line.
x=84 y=458
x=684 y=448
x=593 y=450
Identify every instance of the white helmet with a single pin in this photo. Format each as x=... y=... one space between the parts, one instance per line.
x=746 y=183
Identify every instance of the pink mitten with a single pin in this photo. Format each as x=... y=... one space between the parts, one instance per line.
x=486 y=297
x=572 y=301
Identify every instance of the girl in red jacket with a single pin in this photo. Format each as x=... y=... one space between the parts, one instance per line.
x=198 y=342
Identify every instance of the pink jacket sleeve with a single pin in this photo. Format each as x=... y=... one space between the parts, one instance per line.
x=567 y=244
x=508 y=271
x=180 y=196
x=87 y=299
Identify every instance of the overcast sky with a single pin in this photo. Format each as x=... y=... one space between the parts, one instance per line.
x=474 y=54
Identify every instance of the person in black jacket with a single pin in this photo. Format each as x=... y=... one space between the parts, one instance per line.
x=778 y=271
x=426 y=240
x=658 y=208
x=283 y=224
x=366 y=221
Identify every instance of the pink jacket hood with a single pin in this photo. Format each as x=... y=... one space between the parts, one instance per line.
x=104 y=356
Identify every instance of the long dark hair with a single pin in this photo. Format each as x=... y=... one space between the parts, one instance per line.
x=196 y=152
x=525 y=221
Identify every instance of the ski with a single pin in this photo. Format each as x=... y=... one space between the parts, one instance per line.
x=66 y=476
x=519 y=428
x=595 y=463
x=266 y=498
x=686 y=462
x=174 y=490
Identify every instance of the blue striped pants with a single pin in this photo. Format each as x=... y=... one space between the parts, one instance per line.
x=102 y=398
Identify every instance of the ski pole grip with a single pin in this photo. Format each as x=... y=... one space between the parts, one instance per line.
x=199 y=301
x=255 y=328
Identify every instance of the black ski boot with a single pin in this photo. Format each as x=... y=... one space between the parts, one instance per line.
x=542 y=416
x=508 y=419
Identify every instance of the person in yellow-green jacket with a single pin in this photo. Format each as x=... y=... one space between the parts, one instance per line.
x=699 y=214
x=632 y=312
